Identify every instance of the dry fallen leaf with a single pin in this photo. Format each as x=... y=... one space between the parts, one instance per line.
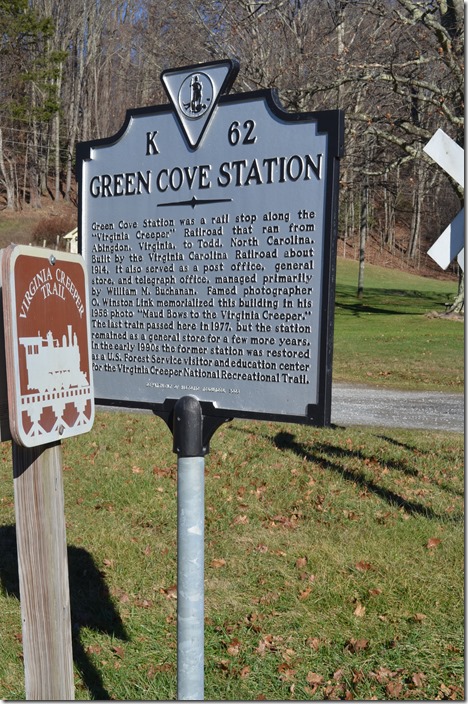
x=314 y=678
x=219 y=562
x=453 y=692
x=334 y=692
x=162 y=471
x=418 y=678
x=234 y=647
x=383 y=674
x=145 y=603
x=154 y=669
x=351 y=515
x=305 y=593
x=375 y=592
x=268 y=643
x=311 y=690
x=314 y=643
x=356 y=645
x=433 y=543
x=286 y=672
x=169 y=592
x=289 y=654
x=394 y=689
x=359 y=611
x=363 y=566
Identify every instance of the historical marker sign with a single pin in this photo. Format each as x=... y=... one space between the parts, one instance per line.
x=208 y=229
x=50 y=390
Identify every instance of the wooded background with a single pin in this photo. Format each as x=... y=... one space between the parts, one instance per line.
x=70 y=70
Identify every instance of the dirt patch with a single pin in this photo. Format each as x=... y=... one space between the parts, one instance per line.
x=377 y=253
x=20 y=227
x=457 y=317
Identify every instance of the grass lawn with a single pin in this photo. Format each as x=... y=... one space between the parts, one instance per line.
x=387 y=338
x=334 y=563
x=334 y=557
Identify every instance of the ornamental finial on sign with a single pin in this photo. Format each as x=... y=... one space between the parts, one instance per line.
x=195 y=90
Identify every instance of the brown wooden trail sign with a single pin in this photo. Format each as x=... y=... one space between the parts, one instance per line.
x=50 y=394
x=50 y=397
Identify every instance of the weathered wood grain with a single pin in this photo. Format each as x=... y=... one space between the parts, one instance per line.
x=43 y=572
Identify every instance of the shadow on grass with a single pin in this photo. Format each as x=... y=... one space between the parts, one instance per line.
x=412 y=448
x=359 y=308
x=285 y=440
x=90 y=601
x=385 y=301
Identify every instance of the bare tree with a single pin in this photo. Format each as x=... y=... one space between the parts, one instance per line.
x=394 y=66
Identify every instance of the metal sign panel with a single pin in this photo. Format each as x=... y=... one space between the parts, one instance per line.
x=46 y=319
x=211 y=267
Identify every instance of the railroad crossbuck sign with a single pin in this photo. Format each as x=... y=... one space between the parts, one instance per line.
x=450 y=157
x=50 y=391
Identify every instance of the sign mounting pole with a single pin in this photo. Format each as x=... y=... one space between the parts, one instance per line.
x=187 y=429
x=191 y=432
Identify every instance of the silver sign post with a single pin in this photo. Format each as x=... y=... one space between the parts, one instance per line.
x=188 y=443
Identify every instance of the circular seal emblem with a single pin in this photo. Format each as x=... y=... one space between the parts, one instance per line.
x=196 y=95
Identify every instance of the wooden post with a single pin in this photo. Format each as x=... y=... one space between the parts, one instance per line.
x=43 y=572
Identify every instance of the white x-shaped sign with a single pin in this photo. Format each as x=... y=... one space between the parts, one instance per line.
x=450 y=157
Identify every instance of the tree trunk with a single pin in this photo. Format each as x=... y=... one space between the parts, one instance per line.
x=418 y=195
x=7 y=178
x=57 y=136
x=458 y=306
x=57 y=155
x=362 y=238
x=389 y=211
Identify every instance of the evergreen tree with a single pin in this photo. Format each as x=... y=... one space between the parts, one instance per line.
x=28 y=75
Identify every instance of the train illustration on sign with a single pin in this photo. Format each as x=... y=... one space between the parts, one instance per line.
x=55 y=382
x=51 y=366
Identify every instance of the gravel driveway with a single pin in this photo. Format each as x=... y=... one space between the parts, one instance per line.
x=365 y=405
